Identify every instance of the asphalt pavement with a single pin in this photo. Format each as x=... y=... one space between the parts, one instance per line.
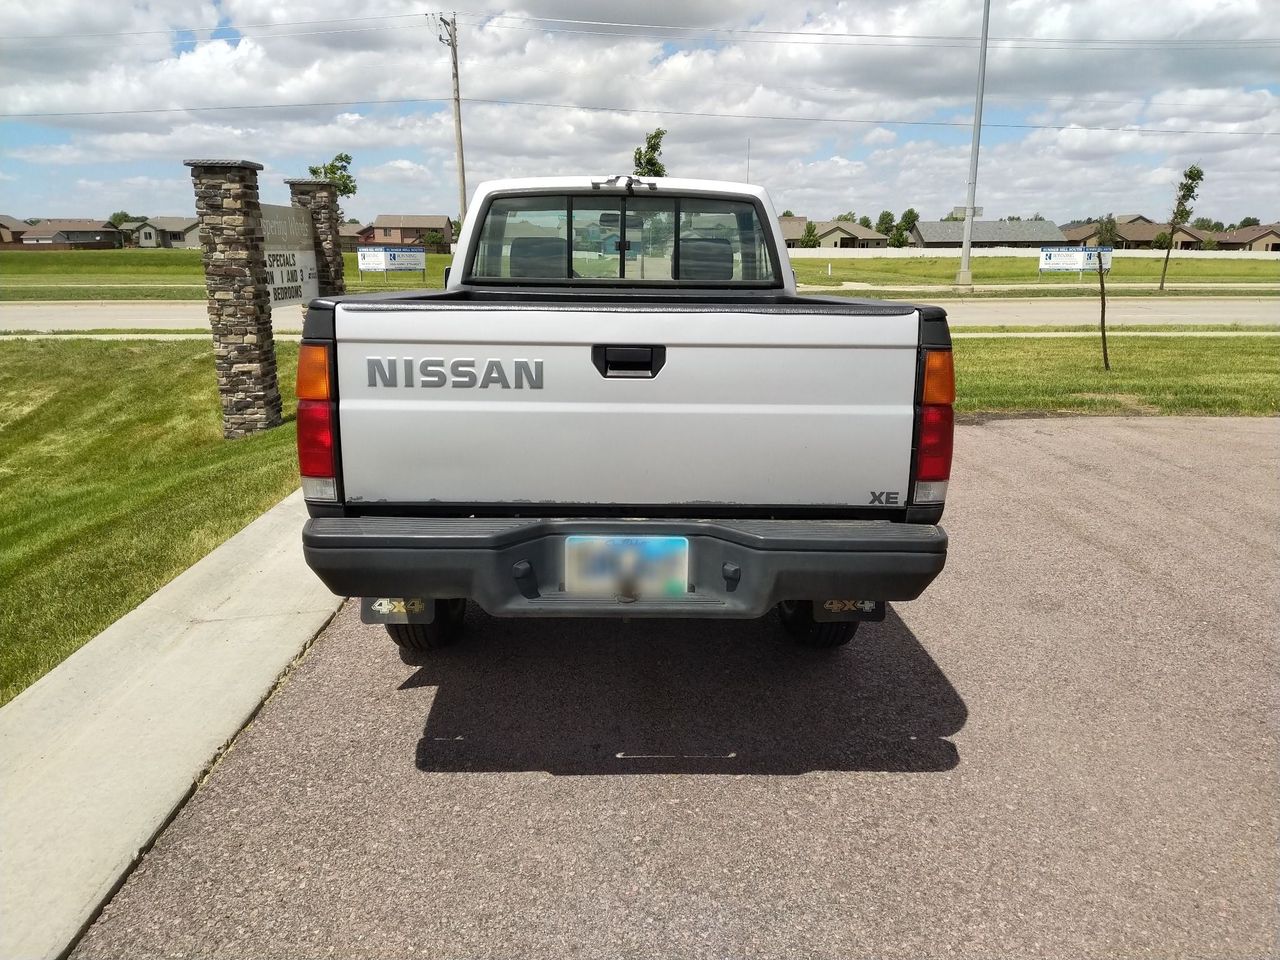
x=1066 y=748
x=1034 y=311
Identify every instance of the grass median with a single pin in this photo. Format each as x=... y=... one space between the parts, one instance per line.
x=942 y=270
x=116 y=478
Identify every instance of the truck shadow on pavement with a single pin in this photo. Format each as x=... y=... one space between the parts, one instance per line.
x=590 y=697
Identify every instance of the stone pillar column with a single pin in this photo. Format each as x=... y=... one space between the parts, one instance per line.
x=320 y=197
x=235 y=274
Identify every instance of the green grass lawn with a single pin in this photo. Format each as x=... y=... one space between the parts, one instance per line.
x=115 y=476
x=1149 y=375
x=942 y=270
x=114 y=479
x=177 y=275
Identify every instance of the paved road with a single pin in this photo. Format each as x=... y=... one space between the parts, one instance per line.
x=1067 y=748
x=176 y=314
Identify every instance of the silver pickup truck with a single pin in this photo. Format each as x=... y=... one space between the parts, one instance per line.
x=619 y=407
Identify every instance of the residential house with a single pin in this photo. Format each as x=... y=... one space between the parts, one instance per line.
x=1265 y=236
x=177 y=232
x=11 y=230
x=986 y=233
x=391 y=229
x=792 y=229
x=350 y=235
x=129 y=231
x=83 y=234
x=1139 y=234
x=846 y=234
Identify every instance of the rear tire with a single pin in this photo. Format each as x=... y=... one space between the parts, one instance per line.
x=416 y=640
x=797 y=621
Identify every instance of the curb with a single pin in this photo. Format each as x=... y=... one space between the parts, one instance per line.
x=99 y=754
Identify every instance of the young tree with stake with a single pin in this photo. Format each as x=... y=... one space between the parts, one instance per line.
x=1106 y=238
x=1188 y=189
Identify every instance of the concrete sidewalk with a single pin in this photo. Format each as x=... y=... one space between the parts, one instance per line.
x=97 y=755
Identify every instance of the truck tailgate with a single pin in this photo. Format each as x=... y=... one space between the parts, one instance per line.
x=752 y=405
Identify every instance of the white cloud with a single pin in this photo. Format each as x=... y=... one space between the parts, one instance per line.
x=404 y=154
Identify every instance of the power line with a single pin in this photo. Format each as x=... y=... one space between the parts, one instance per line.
x=868 y=39
x=646 y=110
x=243 y=26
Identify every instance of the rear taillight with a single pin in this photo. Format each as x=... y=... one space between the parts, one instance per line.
x=935 y=435
x=316 y=416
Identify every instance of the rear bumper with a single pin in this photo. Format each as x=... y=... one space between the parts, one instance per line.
x=513 y=567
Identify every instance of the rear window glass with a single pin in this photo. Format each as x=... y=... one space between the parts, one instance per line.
x=635 y=239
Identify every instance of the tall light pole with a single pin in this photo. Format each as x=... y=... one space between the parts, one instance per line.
x=965 y=276
x=450 y=39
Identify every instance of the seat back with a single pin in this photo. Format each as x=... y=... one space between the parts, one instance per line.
x=706 y=259
x=539 y=257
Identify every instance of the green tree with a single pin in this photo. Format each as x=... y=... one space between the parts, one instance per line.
x=1161 y=241
x=809 y=239
x=1106 y=237
x=1209 y=243
x=338 y=172
x=1249 y=222
x=909 y=219
x=952 y=217
x=865 y=221
x=884 y=223
x=1187 y=191
x=433 y=238
x=847 y=217
x=1014 y=218
x=1204 y=223
x=122 y=216
x=787 y=213
x=648 y=159
x=1036 y=216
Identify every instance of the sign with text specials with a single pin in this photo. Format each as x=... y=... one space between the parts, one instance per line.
x=291 y=254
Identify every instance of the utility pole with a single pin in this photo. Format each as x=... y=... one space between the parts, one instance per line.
x=965 y=276
x=449 y=38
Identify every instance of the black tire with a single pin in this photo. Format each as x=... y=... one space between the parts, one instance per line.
x=797 y=621
x=415 y=640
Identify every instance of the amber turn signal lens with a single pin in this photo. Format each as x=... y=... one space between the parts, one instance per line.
x=313 y=372
x=939 y=377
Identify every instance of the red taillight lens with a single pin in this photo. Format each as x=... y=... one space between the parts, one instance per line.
x=315 y=438
x=937 y=434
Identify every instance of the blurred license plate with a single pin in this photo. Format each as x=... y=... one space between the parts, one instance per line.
x=626 y=566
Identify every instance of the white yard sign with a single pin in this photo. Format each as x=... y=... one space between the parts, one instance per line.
x=391 y=259
x=1073 y=259
x=291 y=255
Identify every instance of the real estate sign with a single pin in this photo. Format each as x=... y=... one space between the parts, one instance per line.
x=388 y=259
x=1073 y=259
x=291 y=255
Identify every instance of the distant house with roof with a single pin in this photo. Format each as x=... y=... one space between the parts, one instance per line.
x=12 y=229
x=1137 y=234
x=1265 y=236
x=986 y=233
x=848 y=234
x=178 y=232
x=350 y=235
x=81 y=234
x=831 y=233
x=390 y=229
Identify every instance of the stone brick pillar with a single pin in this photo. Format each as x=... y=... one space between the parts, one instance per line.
x=235 y=272
x=320 y=197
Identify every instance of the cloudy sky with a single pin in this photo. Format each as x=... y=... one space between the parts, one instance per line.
x=1092 y=105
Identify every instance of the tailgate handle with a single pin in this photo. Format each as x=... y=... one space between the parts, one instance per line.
x=628 y=362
